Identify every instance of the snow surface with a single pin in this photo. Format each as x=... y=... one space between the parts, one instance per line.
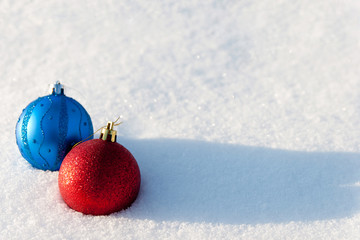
x=243 y=115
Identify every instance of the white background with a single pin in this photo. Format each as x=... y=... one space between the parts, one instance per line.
x=244 y=116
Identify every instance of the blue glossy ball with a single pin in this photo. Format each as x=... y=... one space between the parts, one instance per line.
x=49 y=127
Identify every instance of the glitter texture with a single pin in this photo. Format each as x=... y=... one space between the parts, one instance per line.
x=63 y=127
x=99 y=177
x=25 y=149
x=45 y=163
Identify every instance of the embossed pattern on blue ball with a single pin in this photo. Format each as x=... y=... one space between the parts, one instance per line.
x=49 y=127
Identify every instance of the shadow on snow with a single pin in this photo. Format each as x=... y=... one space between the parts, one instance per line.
x=193 y=181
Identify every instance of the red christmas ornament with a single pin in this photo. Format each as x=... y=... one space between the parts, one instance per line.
x=99 y=176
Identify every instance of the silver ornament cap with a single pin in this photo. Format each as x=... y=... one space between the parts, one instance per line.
x=57 y=88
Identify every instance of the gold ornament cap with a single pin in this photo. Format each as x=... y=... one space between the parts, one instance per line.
x=108 y=133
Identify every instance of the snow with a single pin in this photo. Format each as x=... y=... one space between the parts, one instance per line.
x=243 y=115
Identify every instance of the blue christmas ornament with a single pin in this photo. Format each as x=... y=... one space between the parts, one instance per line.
x=49 y=127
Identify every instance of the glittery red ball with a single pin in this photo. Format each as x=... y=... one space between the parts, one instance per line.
x=99 y=177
